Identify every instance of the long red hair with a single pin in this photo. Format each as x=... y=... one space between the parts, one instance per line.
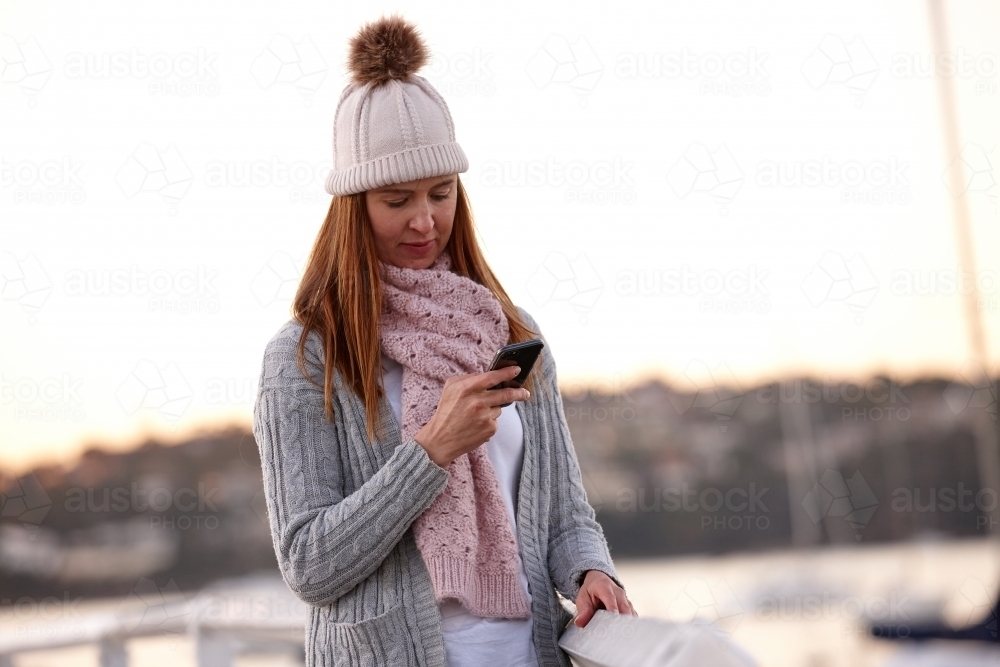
x=340 y=297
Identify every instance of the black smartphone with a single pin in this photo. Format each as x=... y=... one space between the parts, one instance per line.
x=523 y=355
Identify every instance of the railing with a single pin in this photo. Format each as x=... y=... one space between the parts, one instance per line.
x=247 y=616
x=260 y=615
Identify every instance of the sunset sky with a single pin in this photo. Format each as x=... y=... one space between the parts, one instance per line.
x=711 y=193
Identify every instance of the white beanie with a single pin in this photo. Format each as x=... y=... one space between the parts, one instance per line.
x=391 y=125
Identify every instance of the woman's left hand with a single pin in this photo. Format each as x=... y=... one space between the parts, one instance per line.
x=599 y=591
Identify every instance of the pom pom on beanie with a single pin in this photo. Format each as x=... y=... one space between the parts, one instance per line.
x=388 y=48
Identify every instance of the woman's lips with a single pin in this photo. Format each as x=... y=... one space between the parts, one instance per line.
x=419 y=248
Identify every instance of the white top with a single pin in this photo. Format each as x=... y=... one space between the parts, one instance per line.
x=470 y=640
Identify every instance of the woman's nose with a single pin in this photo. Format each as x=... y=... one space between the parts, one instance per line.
x=423 y=220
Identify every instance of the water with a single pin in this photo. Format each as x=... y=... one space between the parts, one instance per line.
x=786 y=608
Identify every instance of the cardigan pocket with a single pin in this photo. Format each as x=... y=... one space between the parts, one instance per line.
x=382 y=640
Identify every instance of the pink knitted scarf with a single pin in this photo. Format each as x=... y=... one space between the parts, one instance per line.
x=437 y=324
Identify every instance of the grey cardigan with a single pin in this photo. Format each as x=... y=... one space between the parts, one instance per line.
x=341 y=509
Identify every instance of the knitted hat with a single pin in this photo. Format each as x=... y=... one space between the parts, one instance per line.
x=391 y=125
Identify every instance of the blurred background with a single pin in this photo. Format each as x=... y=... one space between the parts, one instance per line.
x=762 y=241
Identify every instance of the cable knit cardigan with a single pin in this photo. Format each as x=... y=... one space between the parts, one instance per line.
x=341 y=511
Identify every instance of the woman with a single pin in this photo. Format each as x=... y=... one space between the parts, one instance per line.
x=413 y=542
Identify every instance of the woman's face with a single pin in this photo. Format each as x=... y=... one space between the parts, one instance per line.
x=412 y=221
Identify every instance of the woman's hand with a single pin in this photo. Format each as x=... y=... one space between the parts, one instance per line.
x=599 y=591
x=466 y=414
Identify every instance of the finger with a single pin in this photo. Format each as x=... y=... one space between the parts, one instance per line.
x=504 y=396
x=584 y=609
x=607 y=596
x=624 y=606
x=471 y=383
x=458 y=378
x=495 y=377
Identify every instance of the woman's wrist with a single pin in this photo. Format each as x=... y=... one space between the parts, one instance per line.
x=585 y=573
x=425 y=436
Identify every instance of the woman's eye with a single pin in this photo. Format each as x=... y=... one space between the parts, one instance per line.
x=401 y=203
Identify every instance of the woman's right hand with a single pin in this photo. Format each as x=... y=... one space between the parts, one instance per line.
x=466 y=414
